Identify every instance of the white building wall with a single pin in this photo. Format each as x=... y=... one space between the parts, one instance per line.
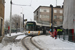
x=69 y=14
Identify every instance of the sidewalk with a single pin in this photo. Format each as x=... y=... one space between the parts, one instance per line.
x=49 y=43
x=61 y=37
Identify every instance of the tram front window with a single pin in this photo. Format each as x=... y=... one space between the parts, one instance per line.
x=30 y=27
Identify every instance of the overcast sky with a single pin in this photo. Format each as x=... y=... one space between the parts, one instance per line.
x=28 y=10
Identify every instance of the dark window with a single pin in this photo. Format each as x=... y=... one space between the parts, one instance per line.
x=44 y=10
x=37 y=12
x=55 y=17
x=30 y=26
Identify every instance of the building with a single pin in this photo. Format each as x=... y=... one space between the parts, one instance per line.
x=43 y=15
x=2 y=2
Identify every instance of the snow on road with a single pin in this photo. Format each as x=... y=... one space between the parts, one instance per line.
x=45 y=42
x=29 y=44
x=49 y=43
x=14 y=34
x=14 y=45
x=21 y=35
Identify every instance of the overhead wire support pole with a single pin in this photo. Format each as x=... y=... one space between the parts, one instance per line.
x=23 y=21
x=10 y=16
x=56 y=2
x=52 y=16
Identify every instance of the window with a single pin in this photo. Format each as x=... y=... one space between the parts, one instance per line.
x=47 y=10
x=44 y=16
x=55 y=11
x=60 y=17
x=41 y=10
x=35 y=14
x=55 y=17
x=61 y=11
x=44 y=10
x=40 y=16
x=54 y=22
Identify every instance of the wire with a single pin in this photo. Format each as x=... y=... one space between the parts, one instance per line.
x=31 y=2
x=20 y=5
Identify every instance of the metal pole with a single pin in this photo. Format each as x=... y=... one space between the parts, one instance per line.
x=23 y=21
x=56 y=2
x=20 y=24
x=10 y=15
x=52 y=16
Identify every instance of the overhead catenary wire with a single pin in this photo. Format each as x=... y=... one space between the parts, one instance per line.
x=23 y=5
x=20 y=5
x=31 y=2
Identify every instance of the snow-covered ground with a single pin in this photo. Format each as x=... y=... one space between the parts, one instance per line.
x=49 y=43
x=14 y=34
x=44 y=41
x=14 y=45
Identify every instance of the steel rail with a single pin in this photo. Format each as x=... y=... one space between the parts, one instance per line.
x=24 y=43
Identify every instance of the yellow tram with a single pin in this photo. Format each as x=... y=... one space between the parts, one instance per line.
x=33 y=28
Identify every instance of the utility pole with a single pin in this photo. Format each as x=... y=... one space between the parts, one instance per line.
x=52 y=16
x=10 y=15
x=20 y=24
x=23 y=21
x=56 y=2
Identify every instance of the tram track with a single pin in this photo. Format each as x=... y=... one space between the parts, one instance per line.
x=23 y=43
x=28 y=43
x=35 y=44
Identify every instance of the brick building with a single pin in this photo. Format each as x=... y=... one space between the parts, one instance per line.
x=43 y=15
x=2 y=7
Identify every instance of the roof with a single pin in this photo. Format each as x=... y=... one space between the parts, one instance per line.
x=39 y=7
x=47 y=7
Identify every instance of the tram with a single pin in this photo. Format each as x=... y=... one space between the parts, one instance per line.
x=34 y=28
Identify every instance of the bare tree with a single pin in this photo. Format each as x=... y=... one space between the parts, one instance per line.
x=7 y=23
x=16 y=20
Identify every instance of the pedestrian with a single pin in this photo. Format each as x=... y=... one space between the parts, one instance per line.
x=55 y=34
x=50 y=31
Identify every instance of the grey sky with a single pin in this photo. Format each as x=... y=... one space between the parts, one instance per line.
x=27 y=10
